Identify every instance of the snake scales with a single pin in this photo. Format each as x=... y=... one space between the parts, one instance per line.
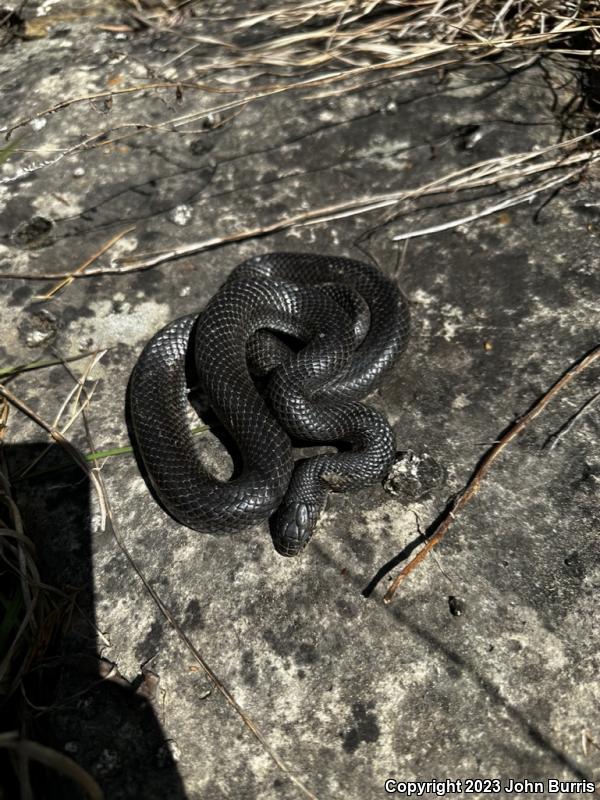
x=315 y=333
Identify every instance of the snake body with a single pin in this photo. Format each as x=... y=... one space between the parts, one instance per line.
x=316 y=333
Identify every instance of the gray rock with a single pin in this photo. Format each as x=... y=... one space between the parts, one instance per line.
x=347 y=691
x=412 y=476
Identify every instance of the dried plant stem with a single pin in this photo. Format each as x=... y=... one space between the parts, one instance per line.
x=6 y=372
x=478 y=176
x=474 y=483
x=88 y=98
x=522 y=197
x=491 y=171
x=82 y=267
x=347 y=40
x=78 y=407
x=33 y=751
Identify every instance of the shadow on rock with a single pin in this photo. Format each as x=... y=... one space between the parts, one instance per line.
x=71 y=699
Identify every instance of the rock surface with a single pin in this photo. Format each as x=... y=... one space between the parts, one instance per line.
x=347 y=691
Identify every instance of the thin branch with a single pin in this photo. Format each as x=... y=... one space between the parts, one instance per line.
x=29 y=169
x=474 y=483
x=78 y=408
x=82 y=267
x=90 y=98
x=6 y=372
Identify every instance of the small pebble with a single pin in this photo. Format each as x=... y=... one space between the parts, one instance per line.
x=413 y=475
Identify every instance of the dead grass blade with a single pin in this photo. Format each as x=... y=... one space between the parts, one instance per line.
x=346 y=41
x=82 y=267
x=490 y=172
x=27 y=750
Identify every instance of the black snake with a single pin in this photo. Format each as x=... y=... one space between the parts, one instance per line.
x=285 y=348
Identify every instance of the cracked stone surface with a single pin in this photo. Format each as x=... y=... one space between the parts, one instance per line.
x=347 y=691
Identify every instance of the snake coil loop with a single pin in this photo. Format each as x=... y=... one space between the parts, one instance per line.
x=317 y=333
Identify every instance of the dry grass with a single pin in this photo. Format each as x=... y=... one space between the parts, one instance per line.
x=315 y=49
x=343 y=35
x=33 y=614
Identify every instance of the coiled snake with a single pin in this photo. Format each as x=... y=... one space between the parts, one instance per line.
x=315 y=333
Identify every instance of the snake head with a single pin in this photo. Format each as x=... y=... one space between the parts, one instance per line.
x=293 y=527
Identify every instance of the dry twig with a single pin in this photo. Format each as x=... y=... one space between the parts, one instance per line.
x=347 y=43
x=474 y=483
x=68 y=279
